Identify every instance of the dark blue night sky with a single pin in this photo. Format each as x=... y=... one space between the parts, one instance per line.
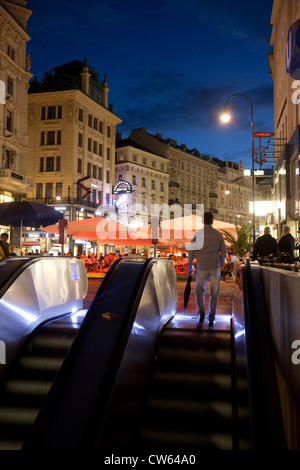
x=170 y=64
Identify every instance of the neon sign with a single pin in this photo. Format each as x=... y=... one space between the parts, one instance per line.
x=122 y=187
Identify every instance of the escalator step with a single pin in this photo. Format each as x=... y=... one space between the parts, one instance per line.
x=26 y=387
x=18 y=416
x=190 y=379
x=10 y=445
x=52 y=342
x=172 y=358
x=168 y=404
x=40 y=363
x=193 y=339
x=190 y=385
x=164 y=438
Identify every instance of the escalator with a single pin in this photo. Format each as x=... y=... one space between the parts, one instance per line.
x=30 y=378
x=190 y=406
x=135 y=378
x=38 y=322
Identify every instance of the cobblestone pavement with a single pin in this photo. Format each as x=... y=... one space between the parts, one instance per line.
x=225 y=298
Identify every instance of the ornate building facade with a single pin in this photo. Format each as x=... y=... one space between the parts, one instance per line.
x=148 y=175
x=71 y=131
x=14 y=78
x=286 y=142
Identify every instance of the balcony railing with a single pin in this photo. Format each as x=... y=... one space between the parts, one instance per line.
x=64 y=201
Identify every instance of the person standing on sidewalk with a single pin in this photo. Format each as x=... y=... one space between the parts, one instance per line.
x=210 y=257
x=265 y=244
x=4 y=246
x=286 y=243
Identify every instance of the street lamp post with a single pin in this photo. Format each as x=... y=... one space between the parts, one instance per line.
x=226 y=118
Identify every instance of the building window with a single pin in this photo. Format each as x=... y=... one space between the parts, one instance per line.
x=95 y=123
x=107 y=199
x=10 y=86
x=49 y=190
x=49 y=163
x=95 y=146
x=80 y=140
x=108 y=131
x=59 y=187
x=9 y=121
x=79 y=165
x=89 y=145
x=51 y=112
x=100 y=150
x=94 y=171
x=11 y=52
x=134 y=179
x=89 y=168
x=41 y=164
x=107 y=176
x=58 y=140
x=143 y=182
x=101 y=127
x=90 y=120
x=43 y=113
x=152 y=184
x=80 y=115
x=162 y=187
x=39 y=191
x=99 y=173
x=57 y=163
x=51 y=138
x=42 y=138
x=108 y=153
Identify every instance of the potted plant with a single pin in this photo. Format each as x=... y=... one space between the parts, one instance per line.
x=240 y=245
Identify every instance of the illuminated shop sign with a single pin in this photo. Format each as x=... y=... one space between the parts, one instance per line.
x=266 y=172
x=122 y=187
x=263 y=134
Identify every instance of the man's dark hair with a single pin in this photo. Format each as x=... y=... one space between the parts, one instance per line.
x=4 y=235
x=208 y=218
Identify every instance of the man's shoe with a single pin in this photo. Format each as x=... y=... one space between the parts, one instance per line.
x=211 y=323
x=200 y=319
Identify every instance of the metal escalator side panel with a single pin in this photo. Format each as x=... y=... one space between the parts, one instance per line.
x=10 y=269
x=266 y=419
x=45 y=288
x=77 y=404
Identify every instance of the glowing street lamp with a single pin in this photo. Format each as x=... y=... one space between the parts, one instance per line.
x=225 y=118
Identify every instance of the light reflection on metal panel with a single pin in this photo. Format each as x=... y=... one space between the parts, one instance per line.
x=49 y=287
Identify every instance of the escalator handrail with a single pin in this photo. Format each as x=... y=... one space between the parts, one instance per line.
x=52 y=409
x=15 y=272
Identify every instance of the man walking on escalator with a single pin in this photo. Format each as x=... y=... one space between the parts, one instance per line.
x=210 y=257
